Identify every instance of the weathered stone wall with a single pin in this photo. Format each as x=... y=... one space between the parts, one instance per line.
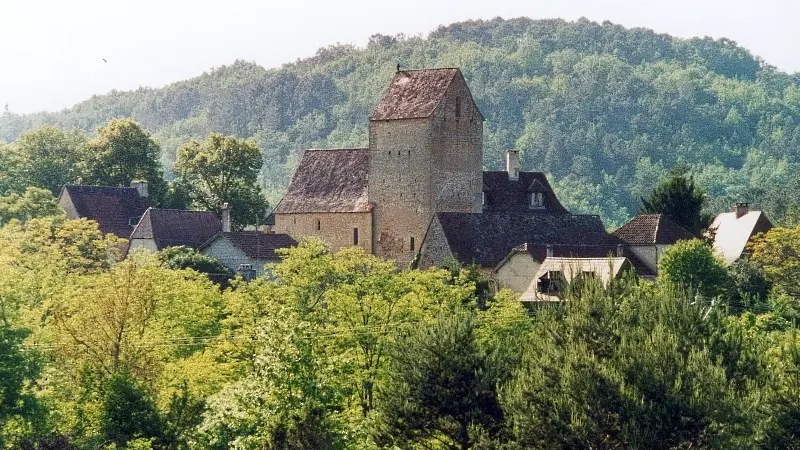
x=457 y=152
x=399 y=186
x=149 y=244
x=435 y=251
x=231 y=257
x=336 y=229
x=65 y=202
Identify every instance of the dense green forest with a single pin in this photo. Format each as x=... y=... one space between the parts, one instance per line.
x=605 y=110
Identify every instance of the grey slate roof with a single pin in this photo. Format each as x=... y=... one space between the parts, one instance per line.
x=649 y=229
x=414 y=94
x=488 y=237
x=504 y=194
x=328 y=181
x=255 y=244
x=174 y=227
x=111 y=207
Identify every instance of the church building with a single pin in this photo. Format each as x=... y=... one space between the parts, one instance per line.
x=418 y=192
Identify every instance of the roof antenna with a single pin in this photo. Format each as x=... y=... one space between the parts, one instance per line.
x=398 y=67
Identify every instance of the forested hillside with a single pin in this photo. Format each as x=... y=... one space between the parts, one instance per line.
x=604 y=109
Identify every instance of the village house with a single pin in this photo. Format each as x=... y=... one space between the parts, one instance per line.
x=418 y=193
x=116 y=210
x=732 y=231
x=247 y=252
x=162 y=228
x=648 y=236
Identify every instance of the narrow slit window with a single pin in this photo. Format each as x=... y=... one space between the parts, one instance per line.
x=458 y=108
x=319 y=224
x=355 y=236
x=411 y=243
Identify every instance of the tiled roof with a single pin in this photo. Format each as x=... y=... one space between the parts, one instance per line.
x=731 y=234
x=488 y=237
x=414 y=94
x=328 y=181
x=174 y=227
x=649 y=229
x=504 y=194
x=111 y=207
x=255 y=244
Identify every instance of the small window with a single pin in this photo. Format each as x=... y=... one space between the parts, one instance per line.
x=537 y=200
x=319 y=224
x=411 y=244
x=483 y=198
x=355 y=236
x=458 y=108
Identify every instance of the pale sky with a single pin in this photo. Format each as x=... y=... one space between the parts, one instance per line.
x=52 y=51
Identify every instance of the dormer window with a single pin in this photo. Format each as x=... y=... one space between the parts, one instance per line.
x=537 y=200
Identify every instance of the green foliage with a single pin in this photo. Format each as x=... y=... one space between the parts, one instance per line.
x=128 y=412
x=692 y=265
x=120 y=152
x=778 y=252
x=224 y=169
x=188 y=258
x=17 y=370
x=634 y=371
x=11 y=179
x=440 y=389
x=586 y=102
x=50 y=157
x=681 y=200
x=33 y=203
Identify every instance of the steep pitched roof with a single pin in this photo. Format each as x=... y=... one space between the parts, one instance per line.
x=111 y=207
x=414 y=94
x=488 y=237
x=328 y=181
x=504 y=194
x=174 y=227
x=731 y=233
x=649 y=229
x=255 y=244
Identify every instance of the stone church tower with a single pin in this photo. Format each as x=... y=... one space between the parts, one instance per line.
x=425 y=156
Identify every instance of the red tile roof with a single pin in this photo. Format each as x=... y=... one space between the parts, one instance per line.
x=112 y=208
x=650 y=229
x=328 y=181
x=414 y=94
x=173 y=227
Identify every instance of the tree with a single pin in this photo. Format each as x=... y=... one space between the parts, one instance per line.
x=121 y=152
x=128 y=412
x=188 y=258
x=692 y=265
x=17 y=369
x=680 y=199
x=11 y=178
x=224 y=169
x=778 y=252
x=50 y=157
x=33 y=203
x=440 y=389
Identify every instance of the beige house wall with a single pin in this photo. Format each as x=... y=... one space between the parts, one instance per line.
x=148 y=244
x=65 y=202
x=336 y=229
x=650 y=255
x=231 y=257
x=517 y=272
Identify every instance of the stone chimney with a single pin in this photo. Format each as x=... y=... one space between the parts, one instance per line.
x=226 y=218
x=512 y=164
x=141 y=187
x=741 y=209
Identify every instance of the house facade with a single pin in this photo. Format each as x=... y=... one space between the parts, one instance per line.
x=247 y=251
x=116 y=210
x=648 y=236
x=162 y=228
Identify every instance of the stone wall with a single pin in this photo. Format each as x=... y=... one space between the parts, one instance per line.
x=435 y=251
x=336 y=229
x=399 y=186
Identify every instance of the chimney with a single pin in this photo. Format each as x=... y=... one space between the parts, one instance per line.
x=141 y=187
x=512 y=164
x=226 y=218
x=741 y=209
x=549 y=251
